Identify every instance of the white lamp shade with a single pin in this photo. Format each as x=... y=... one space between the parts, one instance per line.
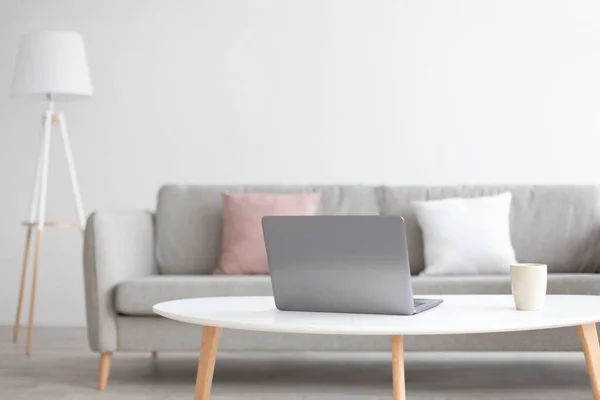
x=52 y=63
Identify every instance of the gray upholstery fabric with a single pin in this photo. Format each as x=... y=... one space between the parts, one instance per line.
x=137 y=296
x=152 y=333
x=556 y=225
x=189 y=228
x=349 y=200
x=117 y=246
x=398 y=201
x=189 y=221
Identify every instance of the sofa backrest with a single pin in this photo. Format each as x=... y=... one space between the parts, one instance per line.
x=557 y=225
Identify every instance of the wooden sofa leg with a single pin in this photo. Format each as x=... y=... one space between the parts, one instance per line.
x=104 y=370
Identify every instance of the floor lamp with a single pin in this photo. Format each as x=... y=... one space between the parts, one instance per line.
x=50 y=66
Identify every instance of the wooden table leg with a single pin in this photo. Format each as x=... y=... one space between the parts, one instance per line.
x=206 y=363
x=589 y=342
x=398 y=367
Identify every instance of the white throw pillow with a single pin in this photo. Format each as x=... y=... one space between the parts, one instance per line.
x=466 y=236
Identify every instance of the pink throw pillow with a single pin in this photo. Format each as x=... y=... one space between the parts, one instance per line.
x=243 y=250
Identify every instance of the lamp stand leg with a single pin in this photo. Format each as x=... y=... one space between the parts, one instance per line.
x=41 y=216
x=36 y=264
x=22 y=286
x=72 y=173
x=32 y=217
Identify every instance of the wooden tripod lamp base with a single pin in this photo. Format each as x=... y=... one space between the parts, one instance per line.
x=50 y=65
x=37 y=218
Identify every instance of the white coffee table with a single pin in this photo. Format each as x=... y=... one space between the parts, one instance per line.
x=457 y=315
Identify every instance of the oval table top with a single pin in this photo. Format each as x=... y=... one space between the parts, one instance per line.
x=456 y=315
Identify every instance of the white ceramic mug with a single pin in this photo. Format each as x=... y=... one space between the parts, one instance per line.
x=528 y=282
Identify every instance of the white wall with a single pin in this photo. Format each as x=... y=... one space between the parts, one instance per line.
x=396 y=92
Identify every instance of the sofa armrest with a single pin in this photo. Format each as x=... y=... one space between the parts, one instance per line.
x=117 y=246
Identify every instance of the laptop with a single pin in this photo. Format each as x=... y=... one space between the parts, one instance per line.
x=341 y=264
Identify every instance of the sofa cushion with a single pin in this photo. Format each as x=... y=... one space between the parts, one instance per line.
x=243 y=250
x=466 y=236
x=189 y=219
x=137 y=296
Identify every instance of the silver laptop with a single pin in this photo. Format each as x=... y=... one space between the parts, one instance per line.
x=342 y=264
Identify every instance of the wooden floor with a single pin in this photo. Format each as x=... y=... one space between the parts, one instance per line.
x=62 y=367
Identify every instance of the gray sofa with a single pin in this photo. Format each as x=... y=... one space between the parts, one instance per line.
x=134 y=259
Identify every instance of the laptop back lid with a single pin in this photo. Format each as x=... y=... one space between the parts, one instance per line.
x=347 y=264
